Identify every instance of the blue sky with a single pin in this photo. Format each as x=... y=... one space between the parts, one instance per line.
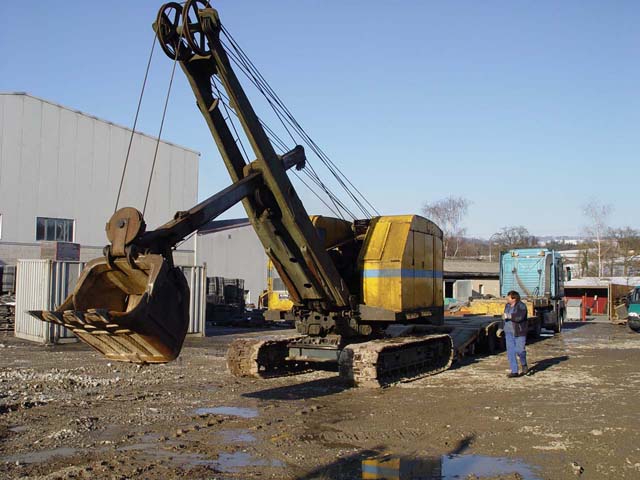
x=529 y=109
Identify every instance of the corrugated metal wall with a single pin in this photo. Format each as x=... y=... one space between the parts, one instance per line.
x=44 y=285
x=197 y=279
x=523 y=273
x=60 y=163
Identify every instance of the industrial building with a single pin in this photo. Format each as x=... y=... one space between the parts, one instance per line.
x=60 y=170
x=464 y=279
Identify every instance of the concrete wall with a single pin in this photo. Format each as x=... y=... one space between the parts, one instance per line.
x=60 y=163
x=486 y=287
x=235 y=253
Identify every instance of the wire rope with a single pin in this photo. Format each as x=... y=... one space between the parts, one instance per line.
x=258 y=80
x=135 y=122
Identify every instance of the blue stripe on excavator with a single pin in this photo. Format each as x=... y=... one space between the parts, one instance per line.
x=401 y=272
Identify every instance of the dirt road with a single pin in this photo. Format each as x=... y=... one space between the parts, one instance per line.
x=65 y=413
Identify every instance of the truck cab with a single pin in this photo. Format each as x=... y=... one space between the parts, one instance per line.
x=538 y=275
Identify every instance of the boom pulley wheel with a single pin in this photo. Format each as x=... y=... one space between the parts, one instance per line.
x=192 y=27
x=169 y=34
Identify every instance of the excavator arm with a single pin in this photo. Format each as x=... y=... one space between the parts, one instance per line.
x=275 y=210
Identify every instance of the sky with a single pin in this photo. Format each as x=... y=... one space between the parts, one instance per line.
x=529 y=109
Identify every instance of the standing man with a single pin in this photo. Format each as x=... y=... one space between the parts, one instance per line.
x=515 y=330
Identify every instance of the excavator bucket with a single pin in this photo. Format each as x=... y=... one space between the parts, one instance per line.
x=128 y=311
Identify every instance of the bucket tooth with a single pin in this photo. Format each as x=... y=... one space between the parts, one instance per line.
x=74 y=318
x=53 y=317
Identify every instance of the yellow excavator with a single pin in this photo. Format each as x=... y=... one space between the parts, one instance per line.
x=349 y=281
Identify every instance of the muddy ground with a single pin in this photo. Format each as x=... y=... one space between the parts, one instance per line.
x=65 y=413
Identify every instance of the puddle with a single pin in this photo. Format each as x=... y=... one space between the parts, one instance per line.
x=447 y=467
x=226 y=462
x=231 y=462
x=236 y=436
x=39 y=457
x=231 y=411
x=155 y=451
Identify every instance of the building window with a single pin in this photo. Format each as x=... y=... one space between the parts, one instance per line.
x=54 y=229
x=0 y=226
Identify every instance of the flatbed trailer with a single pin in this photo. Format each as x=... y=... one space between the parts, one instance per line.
x=470 y=334
x=474 y=334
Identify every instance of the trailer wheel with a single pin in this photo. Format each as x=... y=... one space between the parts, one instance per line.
x=557 y=328
x=538 y=328
x=492 y=341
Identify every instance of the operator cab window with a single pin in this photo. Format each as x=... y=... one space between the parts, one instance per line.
x=54 y=229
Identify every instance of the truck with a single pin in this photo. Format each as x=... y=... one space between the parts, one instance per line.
x=348 y=280
x=538 y=275
x=633 y=309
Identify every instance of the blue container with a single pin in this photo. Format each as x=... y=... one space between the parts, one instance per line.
x=532 y=272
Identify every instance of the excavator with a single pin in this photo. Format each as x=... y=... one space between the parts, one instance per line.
x=367 y=294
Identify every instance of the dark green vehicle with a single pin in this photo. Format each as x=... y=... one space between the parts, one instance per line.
x=634 y=310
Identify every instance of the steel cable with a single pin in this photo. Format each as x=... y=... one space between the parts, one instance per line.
x=164 y=114
x=256 y=77
x=135 y=121
x=335 y=200
x=329 y=163
x=246 y=70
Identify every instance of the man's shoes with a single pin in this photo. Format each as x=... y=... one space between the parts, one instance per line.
x=513 y=375
x=524 y=371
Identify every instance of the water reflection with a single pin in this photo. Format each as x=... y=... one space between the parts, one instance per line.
x=231 y=411
x=446 y=467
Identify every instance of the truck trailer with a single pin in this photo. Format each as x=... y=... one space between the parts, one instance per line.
x=538 y=275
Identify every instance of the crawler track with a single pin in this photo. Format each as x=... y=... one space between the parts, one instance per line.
x=262 y=358
x=384 y=362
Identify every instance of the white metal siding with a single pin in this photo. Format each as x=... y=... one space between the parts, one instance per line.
x=33 y=292
x=59 y=163
x=197 y=279
x=235 y=253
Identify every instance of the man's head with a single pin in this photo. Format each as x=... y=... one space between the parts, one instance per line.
x=513 y=297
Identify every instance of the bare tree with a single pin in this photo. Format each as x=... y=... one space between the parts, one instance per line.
x=448 y=214
x=626 y=247
x=597 y=215
x=514 y=237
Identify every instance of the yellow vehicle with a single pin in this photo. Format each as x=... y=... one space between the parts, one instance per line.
x=347 y=280
x=276 y=297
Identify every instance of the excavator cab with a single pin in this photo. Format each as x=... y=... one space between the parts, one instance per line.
x=129 y=307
